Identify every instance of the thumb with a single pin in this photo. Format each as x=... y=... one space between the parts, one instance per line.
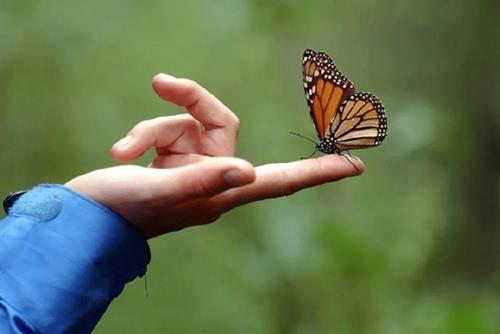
x=204 y=179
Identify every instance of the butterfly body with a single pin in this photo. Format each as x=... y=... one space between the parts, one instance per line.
x=328 y=146
x=343 y=119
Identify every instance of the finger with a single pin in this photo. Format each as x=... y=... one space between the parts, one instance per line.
x=200 y=103
x=275 y=180
x=216 y=118
x=177 y=134
x=203 y=179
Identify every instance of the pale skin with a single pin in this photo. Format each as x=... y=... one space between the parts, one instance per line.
x=195 y=177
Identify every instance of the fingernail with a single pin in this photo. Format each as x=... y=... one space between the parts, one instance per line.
x=124 y=141
x=235 y=178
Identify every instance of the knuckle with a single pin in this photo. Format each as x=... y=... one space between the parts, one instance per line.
x=191 y=85
x=236 y=122
x=288 y=187
x=192 y=92
x=319 y=166
x=201 y=188
x=210 y=214
x=141 y=126
x=192 y=125
x=213 y=217
x=288 y=190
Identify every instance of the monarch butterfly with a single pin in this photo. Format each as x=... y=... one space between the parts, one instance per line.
x=343 y=119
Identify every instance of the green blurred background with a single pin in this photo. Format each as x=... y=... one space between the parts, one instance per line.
x=412 y=246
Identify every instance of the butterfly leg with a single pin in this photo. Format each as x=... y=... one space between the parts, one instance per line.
x=303 y=158
x=348 y=157
x=352 y=156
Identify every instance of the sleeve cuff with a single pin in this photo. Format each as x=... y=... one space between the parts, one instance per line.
x=64 y=257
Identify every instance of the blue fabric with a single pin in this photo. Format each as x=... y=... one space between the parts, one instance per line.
x=63 y=258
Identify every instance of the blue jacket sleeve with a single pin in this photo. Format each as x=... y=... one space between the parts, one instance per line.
x=63 y=258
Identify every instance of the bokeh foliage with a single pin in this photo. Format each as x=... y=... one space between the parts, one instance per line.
x=412 y=246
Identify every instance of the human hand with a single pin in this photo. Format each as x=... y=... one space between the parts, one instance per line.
x=194 y=177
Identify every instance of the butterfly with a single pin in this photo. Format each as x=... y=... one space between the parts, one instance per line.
x=343 y=119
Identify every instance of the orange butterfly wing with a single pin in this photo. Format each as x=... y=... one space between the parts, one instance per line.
x=325 y=88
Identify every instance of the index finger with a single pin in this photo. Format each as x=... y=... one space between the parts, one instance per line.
x=284 y=179
x=199 y=102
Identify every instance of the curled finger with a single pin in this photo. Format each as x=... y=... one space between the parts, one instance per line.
x=169 y=134
x=220 y=123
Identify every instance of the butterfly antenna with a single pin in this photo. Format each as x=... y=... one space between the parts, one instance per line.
x=304 y=137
